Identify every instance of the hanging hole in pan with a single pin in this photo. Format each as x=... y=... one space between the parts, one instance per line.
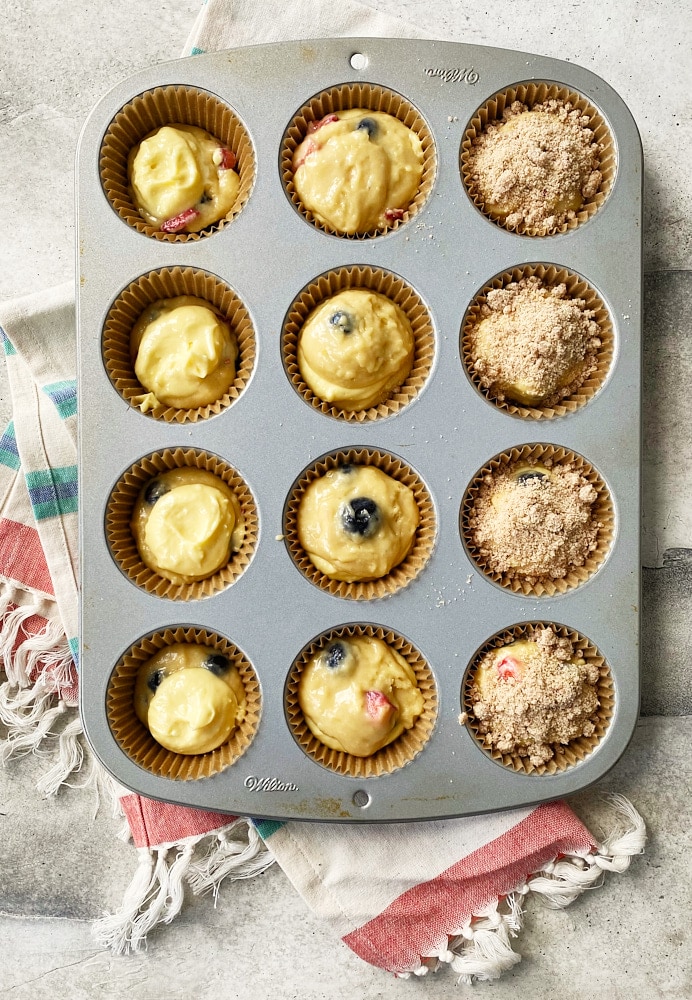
x=358 y=60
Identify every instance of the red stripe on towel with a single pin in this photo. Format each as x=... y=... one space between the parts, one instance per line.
x=155 y=823
x=397 y=938
x=21 y=556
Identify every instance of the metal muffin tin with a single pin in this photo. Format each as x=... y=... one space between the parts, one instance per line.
x=447 y=252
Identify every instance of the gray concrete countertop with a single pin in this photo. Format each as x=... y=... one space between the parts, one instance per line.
x=61 y=865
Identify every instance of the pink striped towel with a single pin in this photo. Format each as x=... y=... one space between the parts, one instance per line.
x=403 y=897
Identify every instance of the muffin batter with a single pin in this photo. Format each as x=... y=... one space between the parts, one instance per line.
x=357 y=523
x=358 y=170
x=532 y=694
x=533 y=522
x=189 y=697
x=358 y=695
x=536 y=167
x=182 y=179
x=187 y=523
x=533 y=343
x=183 y=353
x=355 y=348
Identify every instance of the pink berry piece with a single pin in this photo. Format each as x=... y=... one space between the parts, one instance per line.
x=228 y=159
x=316 y=126
x=508 y=667
x=178 y=222
x=393 y=214
x=377 y=706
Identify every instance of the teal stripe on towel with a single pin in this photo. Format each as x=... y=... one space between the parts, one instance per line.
x=9 y=455
x=53 y=491
x=266 y=827
x=64 y=395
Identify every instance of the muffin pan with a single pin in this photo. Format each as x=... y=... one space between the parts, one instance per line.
x=265 y=260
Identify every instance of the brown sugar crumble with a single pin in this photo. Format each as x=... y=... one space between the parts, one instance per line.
x=534 y=521
x=550 y=698
x=534 y=343
x=536 y=167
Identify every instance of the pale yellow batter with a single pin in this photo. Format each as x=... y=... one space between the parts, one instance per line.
x=507 y=662
x=183 y=353
x=182 y=178
x=190 y=698
x=357 y=523
x=187 y=523
x=355 y=348
x=358 y=695
x=358 y=170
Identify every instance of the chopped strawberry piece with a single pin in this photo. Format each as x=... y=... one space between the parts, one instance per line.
x=377 y=705
x=228 y=159
x=393 y=214
x=179 y=222
x=306 y=147
x=508 y=667
x=327 y=120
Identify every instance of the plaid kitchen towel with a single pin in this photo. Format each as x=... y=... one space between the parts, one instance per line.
x=403 y=897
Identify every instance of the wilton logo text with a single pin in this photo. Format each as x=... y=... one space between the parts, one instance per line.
x=469 y=76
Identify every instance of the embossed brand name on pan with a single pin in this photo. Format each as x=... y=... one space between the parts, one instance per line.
x=469 y=76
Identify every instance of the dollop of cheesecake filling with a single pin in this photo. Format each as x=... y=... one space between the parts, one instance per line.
x=356 y=523
x=182 y=178
x=183 y=352
x=187 y=523
x=190 y=698
x=358 y=170
x=355 y=348
x=358 y=695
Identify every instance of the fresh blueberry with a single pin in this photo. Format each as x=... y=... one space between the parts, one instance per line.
x=155 y=680
x=206 y=197
x=368 y=125
x=343 y=320
x=361 y=516
x=217 y=663
x=154 y=491
x=526 y=476
x=346 y=468
x=336 y=654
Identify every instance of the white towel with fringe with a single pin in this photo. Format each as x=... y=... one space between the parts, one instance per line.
x=406 y=898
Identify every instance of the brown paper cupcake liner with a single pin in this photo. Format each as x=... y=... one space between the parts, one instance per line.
x=602 y=509
x=531 y=94
x=577 y=288
x=135 y=740
x=122 y=543
x=392 y=287
x=169 y=106
x=344 y=98
x=167 y=283
x=423 y=542
x=566 y=755
x=391 y=757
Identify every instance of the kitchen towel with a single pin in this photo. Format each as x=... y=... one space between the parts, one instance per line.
x=403 y=897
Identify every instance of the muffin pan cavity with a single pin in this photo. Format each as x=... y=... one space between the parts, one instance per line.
x=420 y=449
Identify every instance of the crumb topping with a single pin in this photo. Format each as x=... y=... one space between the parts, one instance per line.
x=535 y=339
x=538 y=526
x=537 y=166
x=553 y=700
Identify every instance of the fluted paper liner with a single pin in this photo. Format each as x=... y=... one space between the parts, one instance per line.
x=121 y=540
x=135 y=740
x=391 y=757
x=577 y=288
x=345 y=97
x=392 y=287
x=603 y=512
x=171 y=105
x=400 y=576
x=531 y=94
x=168 y=283
x=566 y=755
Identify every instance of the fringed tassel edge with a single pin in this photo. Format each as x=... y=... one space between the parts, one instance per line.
x=482 y=949
x=155 y=895
x=34 y=712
